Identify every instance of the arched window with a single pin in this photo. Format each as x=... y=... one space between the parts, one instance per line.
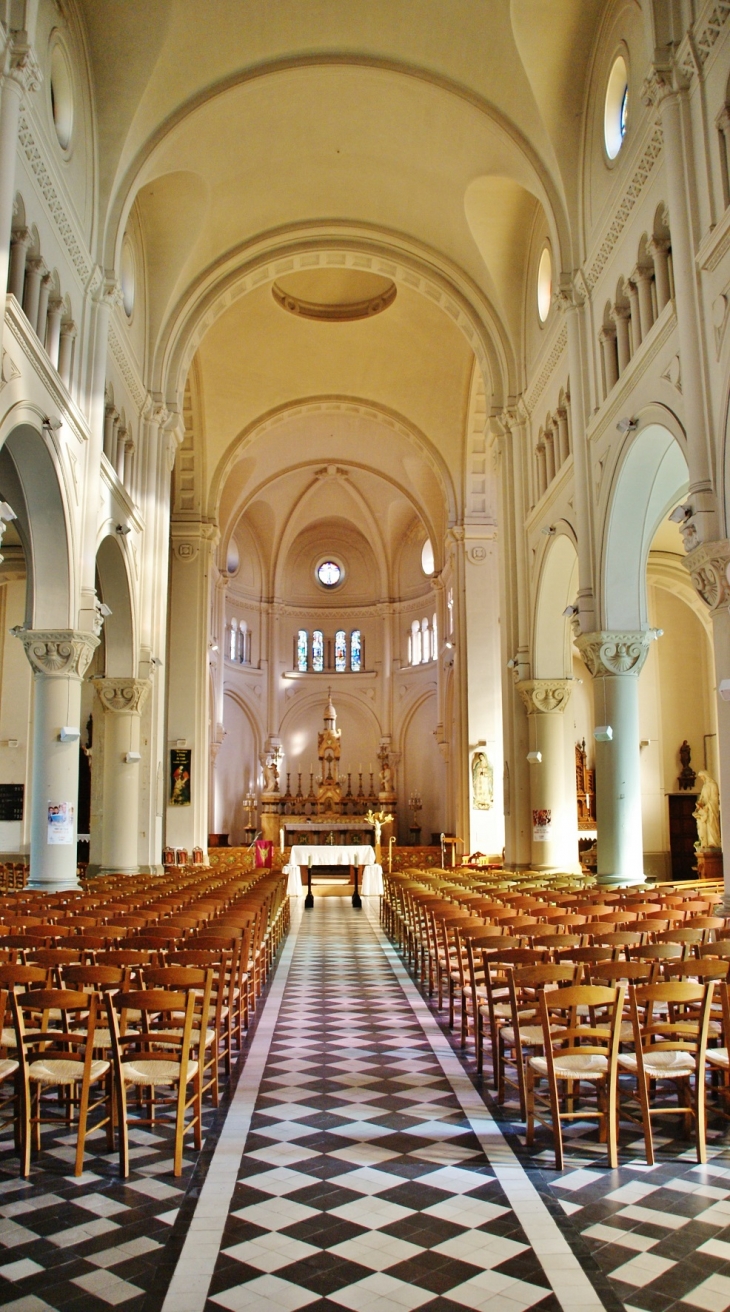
x=302 y=651
x=434 y=640
x=340 y=651
x=415 y=643
x=425 y=642
x=356 y=651
x=318 y=651
x=233 y=640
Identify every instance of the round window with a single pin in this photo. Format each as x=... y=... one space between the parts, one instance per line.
x=329 y=573
x=427 y=561
x=616 y=109
x=544 y=284
x=127 y=277
x=62 y=99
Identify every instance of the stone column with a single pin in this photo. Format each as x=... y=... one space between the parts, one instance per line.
x=66 y=350
x=555 y=832
x=633 y=295
x=563 y=433
x=542 y=479
x=22 y=77
x=111 y=420
x=120 y=454
x=615 y=660
x=620 y=315
x=53 y=330
x=708 y=565
x=122 y=700
x=641 y=278
x=549 y=457
x=43 y=298
x=59 y=659
x=681 y=186
x=659 y=251
x=35 y=271
x=607 y=338
x=571 y=299
x=19 y=243
x=514 y=634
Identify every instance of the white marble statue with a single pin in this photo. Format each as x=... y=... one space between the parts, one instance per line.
x=707 y=812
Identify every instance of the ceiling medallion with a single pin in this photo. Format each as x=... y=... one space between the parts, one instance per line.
x=334 y=296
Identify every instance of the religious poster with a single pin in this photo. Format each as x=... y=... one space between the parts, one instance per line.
x=542 y=825
x=180 y=763
x=61 y=824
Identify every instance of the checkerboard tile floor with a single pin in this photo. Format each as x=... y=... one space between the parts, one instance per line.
x=363 y=1183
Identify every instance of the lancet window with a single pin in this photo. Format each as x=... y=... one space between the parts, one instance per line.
x=318 y=651
x=340 y=651
x=302 y=651
x=346 y=654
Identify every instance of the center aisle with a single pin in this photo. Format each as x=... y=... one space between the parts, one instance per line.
x=373 y=1176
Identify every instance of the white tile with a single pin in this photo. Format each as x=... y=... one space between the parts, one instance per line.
x=642 y=1269
x=20 y=1270
x=466 y=1211
x=360 y=1131
x=364 y=1154
x=443 y=1152
x=124 y=1252
x=569 y=1208
x=266 y=1292
x=455 y=1180
x=78 y=1234
x=381 y=1293
x=650 y=1216
x=108 y=1287
x=376 y=1250
x=271 y=1251
x=480 y=1248
x=169 y=1218
x=152 y=1188
x=367 y=1180
x=282 y=1154
x=372 y=1213
x=489 y=1288
x=716 y=1248
x=281 y=1181
x=718 y=1214
x=285 y=1131
x=100 y=1204
x=22 y=1206
x=610 y=1234
x=633 y=1192
x=276 y=1214
x=713 y=1294
x=577 y=1180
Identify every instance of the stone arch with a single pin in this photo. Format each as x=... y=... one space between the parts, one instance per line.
x=651 y=476
x=557 y=590
x=118 y=632
x=29 y=481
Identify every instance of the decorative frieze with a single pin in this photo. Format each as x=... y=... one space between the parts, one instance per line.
x=58 y=653
x=122 y=694
x=545 y=696
x=608 y=653
x=644 y=168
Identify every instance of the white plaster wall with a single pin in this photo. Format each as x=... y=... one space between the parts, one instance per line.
x=424 y=771
x=235 y=771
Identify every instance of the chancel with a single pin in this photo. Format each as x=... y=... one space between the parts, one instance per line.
x=364 y=654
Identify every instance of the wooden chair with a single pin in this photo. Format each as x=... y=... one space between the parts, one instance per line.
x=205 y=1041
x=63 y=1059
x=497 y=1010
x=577 y=1051
x=525 y=985
x=670 y=1046
x=157 y=1055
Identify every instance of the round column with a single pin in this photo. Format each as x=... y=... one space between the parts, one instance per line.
x=122 y=700
x=552 y=800
x=66 y=350
x=19 y=245
x=615 y=660
x=59 y=659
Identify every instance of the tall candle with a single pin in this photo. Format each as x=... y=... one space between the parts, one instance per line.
x=281 y=839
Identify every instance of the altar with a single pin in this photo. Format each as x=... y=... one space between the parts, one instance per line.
x=350 y=854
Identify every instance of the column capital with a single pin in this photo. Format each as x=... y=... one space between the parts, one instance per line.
x=611 y=653
x=22 y=67
x=545 y=696
x=58 y=653
x=69 y=328
x=21 y=237
x=607 y=333
x=620 y=312
x=708 y=565
x=122 y=694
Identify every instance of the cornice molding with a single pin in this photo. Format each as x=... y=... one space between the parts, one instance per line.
x=69 y=233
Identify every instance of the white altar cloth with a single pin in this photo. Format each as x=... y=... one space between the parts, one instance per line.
x=349 y=855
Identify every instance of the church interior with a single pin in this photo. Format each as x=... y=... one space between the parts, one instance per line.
x=364 y=655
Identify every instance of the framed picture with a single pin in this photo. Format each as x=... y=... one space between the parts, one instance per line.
x=180 y=767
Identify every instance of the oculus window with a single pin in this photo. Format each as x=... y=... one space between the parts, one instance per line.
x=329 y=573
x=544 y=284
x=616 y=108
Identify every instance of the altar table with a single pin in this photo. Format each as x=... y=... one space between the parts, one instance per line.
x=349 y=855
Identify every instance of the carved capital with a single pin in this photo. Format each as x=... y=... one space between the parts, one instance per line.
x=23 y=68
x=657 y=86
x=58 y=653
x=122 y=695
x=708 y=566
x=615 y=653
x=545 y=696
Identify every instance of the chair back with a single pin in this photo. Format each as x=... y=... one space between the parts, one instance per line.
x=581 y=1021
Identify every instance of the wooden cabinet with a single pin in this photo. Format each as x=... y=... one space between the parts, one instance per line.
x=682 y=834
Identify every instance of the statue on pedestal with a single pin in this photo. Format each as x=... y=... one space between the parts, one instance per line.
x=482 y=778
x=707 y=813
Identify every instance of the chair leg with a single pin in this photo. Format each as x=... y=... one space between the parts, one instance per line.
x=612 y=1127
x=700 y=1120
x=121 y=1098
x=179 y=1129
x=557 y=1128
x=25 y=1139
x=81 y=1134
x=530 y=1107
x=646 y=1118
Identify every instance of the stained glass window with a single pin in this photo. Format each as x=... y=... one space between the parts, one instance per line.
x=318 y=651
x=340 y=651
x=302 y=650
x=356 y=651
x=329 y=573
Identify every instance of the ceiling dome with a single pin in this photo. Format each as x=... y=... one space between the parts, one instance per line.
x=334 y=294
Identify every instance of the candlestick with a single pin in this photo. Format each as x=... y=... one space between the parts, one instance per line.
x=281 y=839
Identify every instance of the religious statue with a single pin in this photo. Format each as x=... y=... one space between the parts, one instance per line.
x=687 y=776
x=377 y=819
x=387 y=778
x=707 y=813
x=271 y=777
x=482 y=778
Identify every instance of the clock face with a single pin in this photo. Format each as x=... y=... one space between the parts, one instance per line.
x=329 y=573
